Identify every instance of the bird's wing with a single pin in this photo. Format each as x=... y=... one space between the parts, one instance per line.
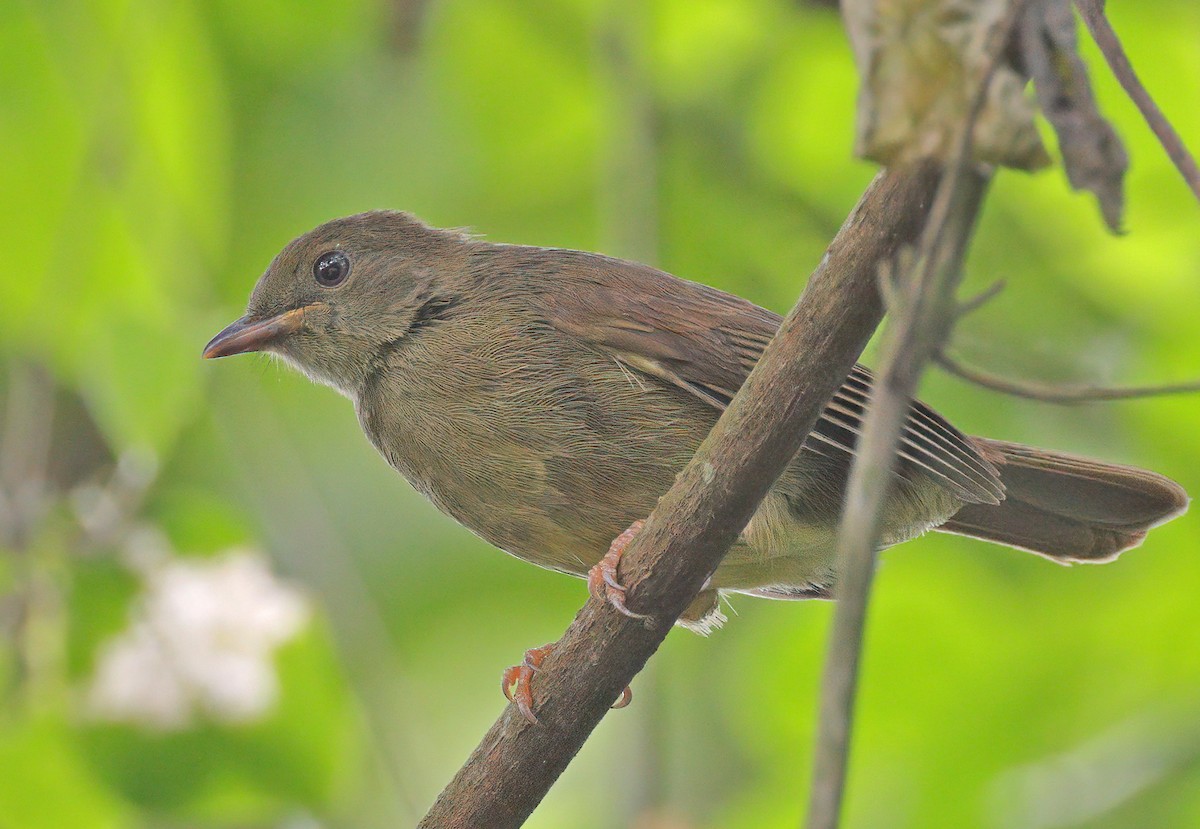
x=705 y=342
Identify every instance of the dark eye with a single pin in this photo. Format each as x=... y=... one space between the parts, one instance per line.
x=331 y=268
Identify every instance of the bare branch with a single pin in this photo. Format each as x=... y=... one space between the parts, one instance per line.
x=970 y=306
x=699 y=518
x=1106 y=38
x=924 y=310
x=1060 y=395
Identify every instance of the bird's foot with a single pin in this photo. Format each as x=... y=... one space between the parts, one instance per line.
x=603 y=584
x=602 y=579
x=515 y=682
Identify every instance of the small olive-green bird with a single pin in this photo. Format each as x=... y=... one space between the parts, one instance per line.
x=546 y=398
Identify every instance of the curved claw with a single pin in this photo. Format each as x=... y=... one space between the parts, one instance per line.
x=515 y=683
x=602 y=579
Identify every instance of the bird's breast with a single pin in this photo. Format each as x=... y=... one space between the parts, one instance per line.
x=544 y=452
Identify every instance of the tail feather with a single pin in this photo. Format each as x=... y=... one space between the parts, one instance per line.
x=1068 y=508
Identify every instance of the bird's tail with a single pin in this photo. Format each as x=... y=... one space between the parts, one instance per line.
x=1067 y=508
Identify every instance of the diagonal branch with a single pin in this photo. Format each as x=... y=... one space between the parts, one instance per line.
x=1106 y=38
x=700 y=517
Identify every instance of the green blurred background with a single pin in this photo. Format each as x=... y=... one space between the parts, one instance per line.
x=218 y=606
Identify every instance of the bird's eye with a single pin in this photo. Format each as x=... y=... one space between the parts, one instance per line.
x=331 y=268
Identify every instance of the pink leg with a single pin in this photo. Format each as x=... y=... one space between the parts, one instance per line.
x=515 y=682
x=602 y=579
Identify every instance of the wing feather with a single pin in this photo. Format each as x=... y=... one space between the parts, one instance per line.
x=706 y=342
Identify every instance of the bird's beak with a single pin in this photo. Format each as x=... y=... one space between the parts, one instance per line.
x=254 y=334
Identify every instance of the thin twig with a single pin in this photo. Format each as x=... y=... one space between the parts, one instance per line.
x=970 y=306
x=924 y=310
x=1106 y=38
x=700 y=516
x=1060 y=395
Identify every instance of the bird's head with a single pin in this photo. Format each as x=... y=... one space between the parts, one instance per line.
x=339 y=296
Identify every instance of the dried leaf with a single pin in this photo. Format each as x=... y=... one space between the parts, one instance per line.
x=1092 y=153
x=921 y=62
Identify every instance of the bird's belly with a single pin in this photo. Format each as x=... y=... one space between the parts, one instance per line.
x=551 y=491
x=790 y=543
x=553 y=480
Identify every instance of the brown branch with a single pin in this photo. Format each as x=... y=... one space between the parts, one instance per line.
x=699 y=518
x=1060 y=395
x=1106 y=38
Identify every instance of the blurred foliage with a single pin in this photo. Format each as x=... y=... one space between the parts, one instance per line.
x=158 y=154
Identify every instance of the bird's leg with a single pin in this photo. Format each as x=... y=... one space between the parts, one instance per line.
x=602 y=579
x=515 y=682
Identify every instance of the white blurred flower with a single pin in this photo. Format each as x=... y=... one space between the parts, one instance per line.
x=201 y=641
